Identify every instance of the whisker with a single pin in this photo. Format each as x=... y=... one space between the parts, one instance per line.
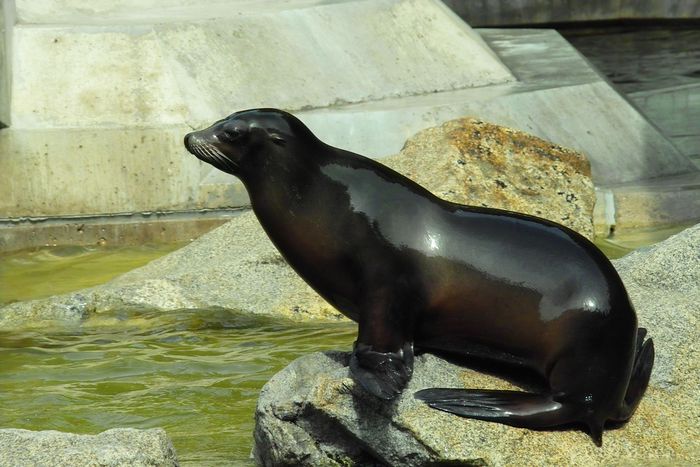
x=194 y=149
x=210 y=153
x=219 y=156
x=216 y=150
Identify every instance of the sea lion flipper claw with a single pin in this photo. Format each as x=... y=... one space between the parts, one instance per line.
x=382 y=374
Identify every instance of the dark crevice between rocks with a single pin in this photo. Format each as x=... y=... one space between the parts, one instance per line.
x=336 y=442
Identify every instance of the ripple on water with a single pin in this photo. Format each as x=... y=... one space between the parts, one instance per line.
x=196 y=373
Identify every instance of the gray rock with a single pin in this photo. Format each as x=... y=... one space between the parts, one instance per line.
x=120 y=447
x=236 y=266
x=312 y=413
x=664 y=283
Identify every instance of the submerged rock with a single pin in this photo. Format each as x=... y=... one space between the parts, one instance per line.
x=112 y=448
x=237 y=267
x=312 y=413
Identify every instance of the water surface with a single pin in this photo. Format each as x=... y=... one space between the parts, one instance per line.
x=42 y=272
x=195 y=373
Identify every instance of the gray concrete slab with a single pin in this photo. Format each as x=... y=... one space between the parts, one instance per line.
x=7 y=21
x=558 y=97
x=109 y=171
x=102 y=78
x=128 y=79
x=528 y=12
x=161 y=74
x=676 y=112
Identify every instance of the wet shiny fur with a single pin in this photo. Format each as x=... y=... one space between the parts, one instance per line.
x=415 y=270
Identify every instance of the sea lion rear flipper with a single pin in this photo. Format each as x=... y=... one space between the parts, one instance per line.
x=515 y=408
x=639 y=380
x=383 y=374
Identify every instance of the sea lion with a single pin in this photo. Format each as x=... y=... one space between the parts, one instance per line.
x=414 y=270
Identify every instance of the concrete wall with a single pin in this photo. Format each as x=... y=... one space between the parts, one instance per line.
x=165 y=73
x=519 y=12
x=7 y=21
x=103 y=92
x=99 y=110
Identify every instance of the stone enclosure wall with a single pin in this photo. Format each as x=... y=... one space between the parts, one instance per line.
x=98 y=98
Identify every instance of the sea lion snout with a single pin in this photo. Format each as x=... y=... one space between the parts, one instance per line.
x=195 y=145
x=189 y=141
x=200 y=138
x=192 y=140
x=236 y=141
x=207 y=147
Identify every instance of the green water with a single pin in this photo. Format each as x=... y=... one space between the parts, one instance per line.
x=44 y=272
x=196 y=373
x=619 y=245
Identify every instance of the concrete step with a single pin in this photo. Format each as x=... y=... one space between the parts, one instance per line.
x=102 y=94
x=184 y=68
x=676 y=112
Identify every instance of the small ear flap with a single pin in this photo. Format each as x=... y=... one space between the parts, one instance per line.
x=277 y=139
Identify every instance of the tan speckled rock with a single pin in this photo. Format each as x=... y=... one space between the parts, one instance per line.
x=469 y=161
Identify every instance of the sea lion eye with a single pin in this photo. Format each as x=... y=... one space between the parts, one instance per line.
x=277 y=138
x=235 y=130
x=232 y=133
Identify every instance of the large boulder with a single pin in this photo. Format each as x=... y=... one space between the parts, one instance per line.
x=119 y=447
x=469 y=161
x=237 y=267
x=312 y=413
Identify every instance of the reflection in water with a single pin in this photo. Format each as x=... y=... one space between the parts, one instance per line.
x=642 y=58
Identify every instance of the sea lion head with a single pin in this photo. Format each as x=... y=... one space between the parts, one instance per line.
x=242 y=140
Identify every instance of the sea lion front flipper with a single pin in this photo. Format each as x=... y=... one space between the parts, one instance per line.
x=382 y=374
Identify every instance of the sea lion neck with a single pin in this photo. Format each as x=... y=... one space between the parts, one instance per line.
x=276 y=180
